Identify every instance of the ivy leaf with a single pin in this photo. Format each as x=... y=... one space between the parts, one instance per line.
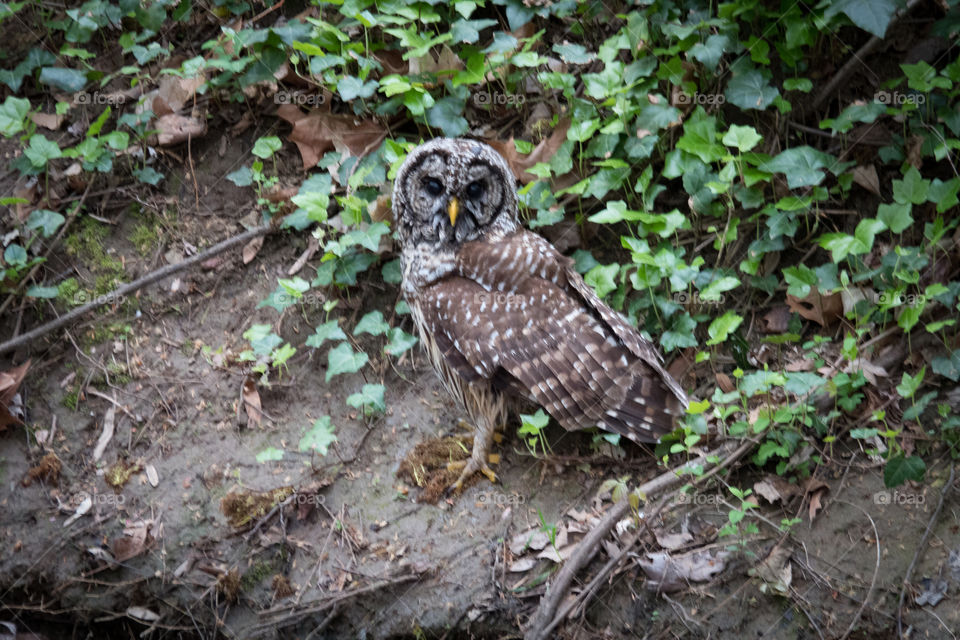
x=899 y=469
x=468 y=31
x=709 y=53
x=574 y=53
x=12 y=112
x=329 y=330
x=242 y=177
x=372 y=323
x=680 y=334
x=912 y=188
x=266 y=146
x=351 y=87
x=262 y=339
x=801 y=165
x=713 y=291
x=895 y=216
x=447 y=115
x=391 y=272
x=369 y=398
x=751 y=90
x=601 y=278
x=41 y=151
x=343 y=359
x=319 y=437
x=947 y=366
x=47 y=221
x=869 y=15
x=743 y=138
x=270 y=454
x=700 y=137
x=368 y=238
x=721 y=327
x=69 y=80
x=399 y=341
x=37 y=291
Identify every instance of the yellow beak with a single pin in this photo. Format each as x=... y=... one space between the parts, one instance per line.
x=452 y=209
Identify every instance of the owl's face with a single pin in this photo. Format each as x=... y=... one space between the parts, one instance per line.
x=448 y=192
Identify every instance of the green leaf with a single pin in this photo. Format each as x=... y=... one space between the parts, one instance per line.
x=801 y=165
x=343 y=359
x=242 y=177
x=392 y=272
x=270 y=454
x=319 y=437
x=468 y=31
x=12 y=113
x=869 y=15
x=47 y=221
x=69 y=80
x=265 y=147
x=743 y=138
x=329 y=330
x=447 y=115
x=947 y=366
x=895 y=216
x=799 y=279
x=574 y=53
x=15 y=255
x=909 y=384
x=721 y=327
x=700 y=137
x=601 y=278
x=399 y=341
x=38 y=291
x=533 y=424
x=751 y=90
x=899 y=469
x=149 y=175
x=912 y=189
x=41 y=151
x=680 y=334
x=713 y=291
x=350 y=88
x=368 y=238
x=369 y=398
x=372 y=323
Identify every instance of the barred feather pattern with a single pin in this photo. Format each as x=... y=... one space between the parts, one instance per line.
x=510 y=315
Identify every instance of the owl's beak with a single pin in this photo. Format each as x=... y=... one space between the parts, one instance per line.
x=452 y=210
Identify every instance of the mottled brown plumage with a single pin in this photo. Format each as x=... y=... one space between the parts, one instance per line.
x=502 y=314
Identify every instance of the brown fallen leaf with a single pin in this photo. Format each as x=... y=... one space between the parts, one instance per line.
x=251 y=249
x=11 y=411
x=174 y=129
x=816 y=490
x=775 y=488
x=777 y=320
x=668 y=573
x=174 y=93
x=823 y=310
x=251 y=403
x=319 y=131
x=775 y=570
x=519 y=163
x=866 y=177
x=50 y=121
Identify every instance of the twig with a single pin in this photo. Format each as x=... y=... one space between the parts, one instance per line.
x=131 y=287
x=876 y=570
x=545 y=619
x=920 y=548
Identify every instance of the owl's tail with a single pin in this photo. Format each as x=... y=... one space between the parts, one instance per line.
x=645 y=407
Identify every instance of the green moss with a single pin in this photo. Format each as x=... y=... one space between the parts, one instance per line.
x=71 y=399
x=145 y=237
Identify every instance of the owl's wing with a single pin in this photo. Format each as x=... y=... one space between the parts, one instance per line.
x=514 y=316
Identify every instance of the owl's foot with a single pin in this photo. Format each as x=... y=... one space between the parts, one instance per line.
x=470 y=467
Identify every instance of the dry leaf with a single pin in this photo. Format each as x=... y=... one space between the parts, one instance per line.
x=777 y=320
x=106 y=434
x=251 y=403
x=11 y=410
x=317 y=132
x=823 y=310
x=519 y=163
x=251 y=249
x=775 y=570
x=775 y=488
x=668 y=573
x=174 y=129
x=50 y=121
x=673 y=541
x=866 y=177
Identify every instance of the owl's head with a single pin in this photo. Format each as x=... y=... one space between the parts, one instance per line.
x=450 y=191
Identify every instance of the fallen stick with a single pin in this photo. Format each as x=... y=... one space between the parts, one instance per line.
x=150 y=278
x=546 y=618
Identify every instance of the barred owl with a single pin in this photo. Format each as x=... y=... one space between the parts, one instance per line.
x=503 y=315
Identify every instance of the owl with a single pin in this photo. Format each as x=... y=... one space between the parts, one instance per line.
x=504 y=317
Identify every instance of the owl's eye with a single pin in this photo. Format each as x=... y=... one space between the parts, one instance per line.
x=475 y=189
x=433 y=186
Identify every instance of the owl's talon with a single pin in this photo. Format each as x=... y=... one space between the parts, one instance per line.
x=470 y=467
